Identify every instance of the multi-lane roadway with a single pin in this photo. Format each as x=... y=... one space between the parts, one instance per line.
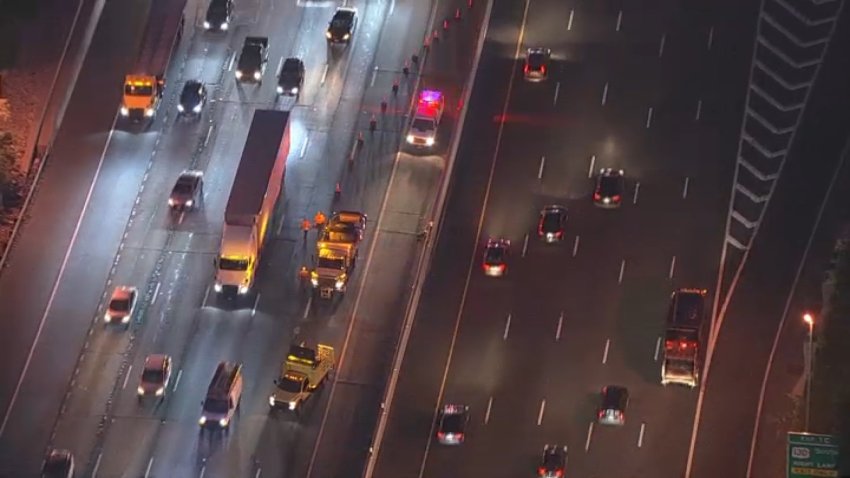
x=100 y=219
x=653 y=88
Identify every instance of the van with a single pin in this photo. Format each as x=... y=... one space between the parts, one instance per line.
x=223 y=395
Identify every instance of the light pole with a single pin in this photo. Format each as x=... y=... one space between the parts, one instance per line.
x=810 y=322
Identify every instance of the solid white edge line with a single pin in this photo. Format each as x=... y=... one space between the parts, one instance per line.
x=474 y=255
x=56 y=283
x=127 y=377
x=177 y=380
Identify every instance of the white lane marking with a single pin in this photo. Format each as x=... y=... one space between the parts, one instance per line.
x=392 y=7
x=507 y=327
x=589 y=434
x=649 y=117
x=661 y=45
x=657 y=349
x=570 y=21
x=206 y=296
x=605 y=352
x=148 y=469
x=672 y=267
x=540 y=169
x=56 y=283
x=279 y=64
x=374 y=76
x=560 y=326
x=258 y=473
x=209 y=134
x=710 y=38
x=640 y=436
x=605 y=94
x=525 y=245
x=622 y=270
x=592 y=163
x=127 y=377
x=307 y=308
x=540 y=413
x=203 y=472
x=619 y=20
x=156 y=292
x=699 y=110
x=557 y=90
x=96 y=465
x=324 y=74
x=685 y=189
x=256 y=303
x=637 y=190
x=489 y=409
x=575 y=246
x=304 y=146
x=473 y=257
x=232 y=60
x=177 y=380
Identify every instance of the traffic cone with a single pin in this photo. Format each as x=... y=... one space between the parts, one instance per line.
x=383 y=106
x=406 y=68
x=359 y=139
x=395 y=86
x=436 y=35
x=337 y=191
x=445 y=24
x=373 y=124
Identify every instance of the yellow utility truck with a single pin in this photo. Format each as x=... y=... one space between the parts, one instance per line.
x=303 y=372
x=336 y=252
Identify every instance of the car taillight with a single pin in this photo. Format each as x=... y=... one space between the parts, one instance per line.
x=543 y=69
x=597 y=196
x=441 y=435
x=541 y=471
x=459 y=436
x=559 y=473
x=501 y=267
x=540 y=229
x=616 y=198
x=559 y=233
x=525 y=69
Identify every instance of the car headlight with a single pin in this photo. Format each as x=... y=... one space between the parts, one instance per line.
x=189 y=203
x=148 y=112
x=314 y=281
x=549 y=235
x=410 y=138
x=217 y=287
x=279 y=90
x=243 y=289
x=429 y=141
x=238 y=74
x=340 y=283
x=271 y=401
x=159 y=391
x=170 y=202
x=107 y=317
x=257 y=75
x=180 y=108
x=125 y=319
x=328 y=35
x=202 y=420
x=197 y=108
x=224 y=26
x=206 y=25
x=125 y=111
x=223 y=422
x=140 y=391
x=294 y=90
x=292 y=405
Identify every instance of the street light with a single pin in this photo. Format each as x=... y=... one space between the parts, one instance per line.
x=810 y=321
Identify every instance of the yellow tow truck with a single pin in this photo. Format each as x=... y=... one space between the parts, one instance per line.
x=303 y=372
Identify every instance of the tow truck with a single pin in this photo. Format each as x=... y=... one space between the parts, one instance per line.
x=303 y=372
x=429 y=112
x=337 y=252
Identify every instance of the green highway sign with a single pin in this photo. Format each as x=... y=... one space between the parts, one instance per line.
x=812 y=455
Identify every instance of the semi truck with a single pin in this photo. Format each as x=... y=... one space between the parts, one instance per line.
x=303 y=372
x=336 y=252
x=426 y=119
x=253 y=196
x=144 y=86
x=682 y=337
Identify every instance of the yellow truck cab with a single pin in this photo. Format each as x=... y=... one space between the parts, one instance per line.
x=303 y=372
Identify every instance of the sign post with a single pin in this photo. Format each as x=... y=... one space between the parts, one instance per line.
x=812 y=455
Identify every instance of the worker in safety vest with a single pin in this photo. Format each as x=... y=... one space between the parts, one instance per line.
x=305 y=226
x=320 y=220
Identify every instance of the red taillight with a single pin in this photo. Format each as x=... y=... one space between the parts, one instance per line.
x=616 y=198
x=559 y=233
x=597 y=196
x=501 y=267
x=459 y=436
x=559 y=473
x=525 y=68
x=540 y=229
x=543 y=69
x=541 y=471
x=441 y=435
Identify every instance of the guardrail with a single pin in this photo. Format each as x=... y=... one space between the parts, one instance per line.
x=424 y=262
